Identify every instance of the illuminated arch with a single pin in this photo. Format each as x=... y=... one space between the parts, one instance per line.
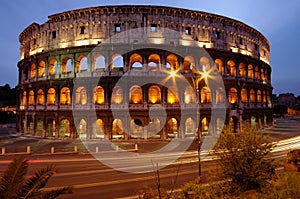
x=231 y=68
x=205 y=95
x=81 y=96
x=41 y=69
x=244 y=96
x=172 y=128
x=204 y=125
x=190 y=129
x=117 y=129
x=82 y=130
x=40 y=97
x=82 y=64
x=205 y=64
x=154 y=62
x=189 y=64
x=233 y=96
x=219 y=64
x=172 y=97
x=136 y=61
x=31 y=97
x=52 y=67
x=51 y=96
x=98 y=129
x=66 y=65
x=242 y=70
x=250 y=72
x=252 y=96
x=189 y=95
x=32 y=71
x=257 y=73
x=24 y=98
x=172 y=62
x=117 y=95
x=65 y=96
x=99 y=97
x=64 y=129
x=259 y=96
x=136 y=95
x=154 y=94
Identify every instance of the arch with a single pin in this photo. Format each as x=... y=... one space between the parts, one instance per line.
x=154 y=128
x=118 y=63
x=154 y=94
x=24 y=98
x=66 y=65
x=172 y=60
x=64 y=129
x=205 y=95
x=232 y=96
x=250 y=72
x=99 y=97
x=65 y=96
x=244 y=96
x=172 y=97
x=258 y=96
x=257 y=73
x=51 y=128
x=117 y=95
x=172 y=128
x=52 y=67
x=188 y=64
x=220 y=66
x=136 y=95
x=252 y=96
x=81 y=96
x=231 y=68
x=99 y=62
x=51 y=96
x=154 y=62
x=117 y=129
x=31 y=97
x=220 y=96
x=39 y=130
x=205 y=64
x=136 y=128
x=82 y=64
x=40 y=97
x=82 y=129
x=262 y=72
x=264 y=97
x=41 y=69
x=189 y=95
x=98 y=129
x=204 y=126
x=242 y=70
x=32 y=71
x=190 y=128
x=136 y=61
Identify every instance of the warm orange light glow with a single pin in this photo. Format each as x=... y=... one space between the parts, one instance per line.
x=31 y=98
x=172 y=99
x=40 y=97
x=51 y=96
x=81 y=96
x=232 y=97
x=154 y=94
x=65 y=96
x=117 y=95
x=99 y=95
x=136 y=96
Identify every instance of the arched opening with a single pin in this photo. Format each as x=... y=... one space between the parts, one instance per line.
x=82 y=129
x=204 y=126
x=172 y=128
x=252 y=96
x=233 y=96
x=220 y=96
x=31 y=98
x=172 y=97
x=231 y=68
x=51 y=96
x=117 y=129
x=154 y=128
x=66 y=66
x=153 y=62
x=189 y=95
x=190 y=129
x=82 y=64
x=24 y=98
x=172 y=61
x=81 y=96
x=65 y=96
x=262 y=72
x=41 y=69
x=39 y=131
x=258 y=96
x=220 y=66
x=64 y=129
x=136 y=95
x=205 y=95
x=264 y=97
x=117 y=95
x=118 y=63
x=99 y=97
x=244 y=96
x=154 y=95
x=32 y=71
x=136 y=128
x=205 y=64
x=52 y=67
x=250 y=72
x=51 y=128
x=253 y=121
x=257 y=73
x=242 y=70
x=136 y=62
x=98 y=129
x=189 y=64
x=40 y=97
x=99 y=63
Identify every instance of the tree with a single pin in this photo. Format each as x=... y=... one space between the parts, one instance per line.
x=243 y=158
x=13 y=184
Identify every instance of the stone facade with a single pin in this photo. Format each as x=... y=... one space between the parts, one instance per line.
x=55 y=53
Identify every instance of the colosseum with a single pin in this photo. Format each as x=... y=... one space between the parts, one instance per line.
x=60 y=63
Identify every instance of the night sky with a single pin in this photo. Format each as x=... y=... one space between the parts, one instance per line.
x=277 y=20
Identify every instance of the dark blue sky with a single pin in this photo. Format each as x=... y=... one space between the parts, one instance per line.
x=278 y=20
